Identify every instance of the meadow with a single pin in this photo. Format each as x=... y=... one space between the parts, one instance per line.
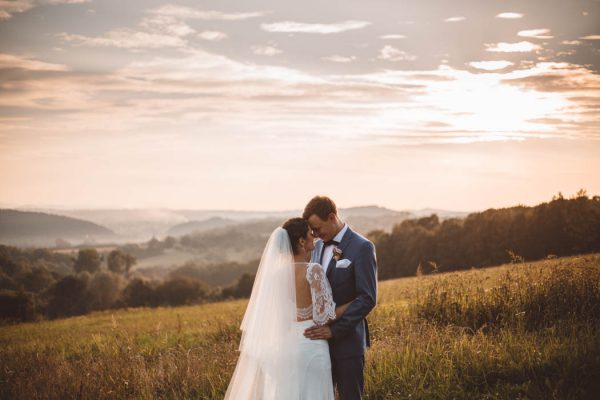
x=518 y=331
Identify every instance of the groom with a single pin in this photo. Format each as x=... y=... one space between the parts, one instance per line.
x=351 y=267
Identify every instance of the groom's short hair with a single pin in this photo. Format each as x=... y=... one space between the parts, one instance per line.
x=321 y=206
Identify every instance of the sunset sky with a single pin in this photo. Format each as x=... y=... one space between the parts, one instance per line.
x=259 y=105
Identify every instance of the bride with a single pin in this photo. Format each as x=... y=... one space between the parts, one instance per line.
x=289 y=295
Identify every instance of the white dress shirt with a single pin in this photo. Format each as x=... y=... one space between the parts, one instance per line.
x=328 y=250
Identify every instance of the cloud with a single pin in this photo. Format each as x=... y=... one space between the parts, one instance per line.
x=212 y=35
x=208 y=96
x=225 y=95
x=390 y=53
x=266 y=51
x=8 y=7
x=509 y=15
x=339 y=59
x=300 y=27
x=490 y=65
x=127 y=39
x=162 y=27
x=194 y=13
x=392 y=37
x=157 y=31
x=210 y=70
x=454 y=19
x=591 y=37
x=54 y=2
x=571 y=42
x=536 y=33
x=8 y=61
x=520 y=47
x=166 y=24
x=558 y=77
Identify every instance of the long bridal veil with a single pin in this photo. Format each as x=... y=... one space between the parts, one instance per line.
x=268 y=351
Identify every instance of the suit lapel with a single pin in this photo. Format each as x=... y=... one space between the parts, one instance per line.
x=346 y=239
x=317 y=255
x=342 y=246
x=330 y=268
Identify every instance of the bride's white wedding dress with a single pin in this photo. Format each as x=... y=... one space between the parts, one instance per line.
x=314 y=364
x=276 y=361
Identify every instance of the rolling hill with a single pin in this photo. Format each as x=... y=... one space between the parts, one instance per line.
x=196 y=226
x=141 y=224
x=24 y=228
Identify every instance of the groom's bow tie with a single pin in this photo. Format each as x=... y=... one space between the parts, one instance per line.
x=330 y=242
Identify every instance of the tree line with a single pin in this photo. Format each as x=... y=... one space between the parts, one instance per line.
x=561 y=227
x=37 y=284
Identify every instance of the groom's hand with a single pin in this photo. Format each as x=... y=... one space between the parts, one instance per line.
x=317 y=332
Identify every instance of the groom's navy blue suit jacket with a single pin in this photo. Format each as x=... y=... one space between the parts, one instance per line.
x=356 y=283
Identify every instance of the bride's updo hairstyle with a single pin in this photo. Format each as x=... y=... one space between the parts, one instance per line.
x=296 y=228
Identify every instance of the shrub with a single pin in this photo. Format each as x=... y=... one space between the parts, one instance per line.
x=140 y=293
x=181 y=290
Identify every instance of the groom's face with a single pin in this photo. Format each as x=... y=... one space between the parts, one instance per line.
x=322 y=229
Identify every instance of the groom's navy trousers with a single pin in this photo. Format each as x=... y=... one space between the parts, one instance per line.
x=355 y=283
x=348 y=376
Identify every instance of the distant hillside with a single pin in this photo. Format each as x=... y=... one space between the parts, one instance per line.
x=367 y=211
x=372 y=218
x=129 y=224
x=139 y=225
x=443 y=214
x=362 y=219
x=23 y=228
x=244 y=241
x=196 y=226
x=240 y=243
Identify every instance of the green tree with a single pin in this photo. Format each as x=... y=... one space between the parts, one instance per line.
x=181 y=290
x=170 y=242
x=241 y=289
x=88 y=260
x=120 y=262
x=140 y=293
x=104 y=289
x=38 y=279
x=68 y=296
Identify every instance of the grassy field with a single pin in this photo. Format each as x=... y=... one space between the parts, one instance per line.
x=529 y=331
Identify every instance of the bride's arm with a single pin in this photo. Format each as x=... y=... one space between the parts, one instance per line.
x=324 y=308
x=339 y=311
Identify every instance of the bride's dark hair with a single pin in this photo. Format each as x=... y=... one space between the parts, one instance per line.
x=296 y=228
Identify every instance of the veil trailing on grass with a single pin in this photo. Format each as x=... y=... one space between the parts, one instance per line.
x=268 y=350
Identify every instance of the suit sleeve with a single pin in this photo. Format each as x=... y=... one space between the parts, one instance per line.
x=365 y=269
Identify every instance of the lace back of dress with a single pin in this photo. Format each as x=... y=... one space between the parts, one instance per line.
x=304 y=307
x=304 y=312
x=322 y=307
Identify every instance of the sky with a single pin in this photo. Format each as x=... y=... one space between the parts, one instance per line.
x=260 y=105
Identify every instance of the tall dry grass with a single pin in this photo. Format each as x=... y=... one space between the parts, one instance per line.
x=527 y=331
